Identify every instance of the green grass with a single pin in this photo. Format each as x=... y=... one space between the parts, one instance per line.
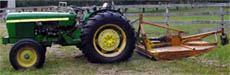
x=68 y=60
x=221 y=55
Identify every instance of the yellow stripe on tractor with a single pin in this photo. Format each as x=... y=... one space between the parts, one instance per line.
x=37 y=20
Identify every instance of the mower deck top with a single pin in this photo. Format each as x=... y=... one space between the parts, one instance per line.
x=175 y=52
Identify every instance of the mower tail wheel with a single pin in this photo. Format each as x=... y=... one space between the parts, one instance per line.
x=26 y=54
x=224 y=39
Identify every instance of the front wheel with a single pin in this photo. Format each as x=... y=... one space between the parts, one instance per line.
x=108 y=37
x=26 y=54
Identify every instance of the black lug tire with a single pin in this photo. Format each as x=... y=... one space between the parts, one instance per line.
x=98 y=20
x=224 y=39
x=44 y=48
x=38 y=48
x=79 y=46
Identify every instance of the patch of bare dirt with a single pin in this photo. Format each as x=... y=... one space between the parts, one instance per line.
x=77 y=54
x=66 y=73
x=117 y=71
x=214 y=63
x=59 y=53
x=55 y=49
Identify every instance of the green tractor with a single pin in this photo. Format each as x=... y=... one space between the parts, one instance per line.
x=104 y=35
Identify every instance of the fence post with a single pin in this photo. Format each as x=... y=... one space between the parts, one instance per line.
x=222 y=16
x=167 y=17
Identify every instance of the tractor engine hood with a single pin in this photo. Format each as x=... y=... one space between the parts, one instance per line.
x=22 y=17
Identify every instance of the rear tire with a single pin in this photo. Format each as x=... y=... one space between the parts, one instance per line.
x=108 y=37
x=26 y=54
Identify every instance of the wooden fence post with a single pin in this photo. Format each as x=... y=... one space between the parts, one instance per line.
x=222 y=16
x=167 y=17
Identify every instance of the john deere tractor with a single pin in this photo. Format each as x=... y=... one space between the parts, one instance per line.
x=104 y=35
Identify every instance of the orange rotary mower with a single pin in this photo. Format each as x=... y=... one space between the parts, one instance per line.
x=174 y=46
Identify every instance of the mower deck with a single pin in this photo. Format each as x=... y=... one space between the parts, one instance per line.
x=173 y=46
x=174 y=52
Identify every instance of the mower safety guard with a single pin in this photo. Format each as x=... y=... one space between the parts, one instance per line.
x=173 y=46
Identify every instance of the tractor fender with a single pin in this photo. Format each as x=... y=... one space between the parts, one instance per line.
x=103 y=10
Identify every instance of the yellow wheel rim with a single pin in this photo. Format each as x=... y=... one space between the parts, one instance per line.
x=109 y=40
x=26 y=56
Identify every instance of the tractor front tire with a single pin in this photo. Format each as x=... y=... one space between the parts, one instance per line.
x=108 y=37
x=26 y=54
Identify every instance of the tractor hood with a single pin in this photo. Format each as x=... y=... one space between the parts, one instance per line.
x=21 y=17
x=36 y=15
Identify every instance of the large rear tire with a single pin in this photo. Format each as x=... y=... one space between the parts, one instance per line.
x=108 y=37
